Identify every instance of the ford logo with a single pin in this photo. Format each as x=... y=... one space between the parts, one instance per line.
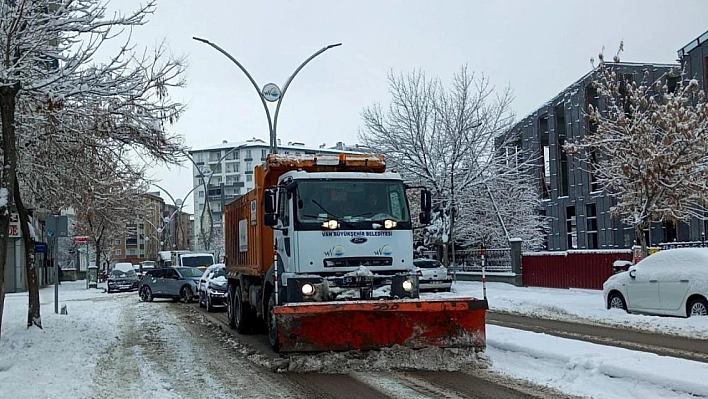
x=358 y=240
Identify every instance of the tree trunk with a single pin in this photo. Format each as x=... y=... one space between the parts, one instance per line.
x=34 y=317
x=639 y=231
x=8 y=95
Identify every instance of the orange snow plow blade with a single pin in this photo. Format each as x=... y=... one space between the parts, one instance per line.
x=340 y=326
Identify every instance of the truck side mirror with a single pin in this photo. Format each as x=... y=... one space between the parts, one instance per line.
x=424 y=218
x=425 y=201
x=269 y=201
x=270 y=219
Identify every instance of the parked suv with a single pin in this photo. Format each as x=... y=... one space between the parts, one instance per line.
x=176 y=283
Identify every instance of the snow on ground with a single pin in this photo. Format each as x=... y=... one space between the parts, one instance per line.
x=76 y=355
x=582 y=368
x=576 y=305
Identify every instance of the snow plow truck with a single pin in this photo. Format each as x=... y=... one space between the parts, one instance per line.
x=320 y=253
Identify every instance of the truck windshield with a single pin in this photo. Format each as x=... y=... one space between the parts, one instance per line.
x=356 y=202
x=197 y=261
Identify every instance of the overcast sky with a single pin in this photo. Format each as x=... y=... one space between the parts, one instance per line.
x=536 y=47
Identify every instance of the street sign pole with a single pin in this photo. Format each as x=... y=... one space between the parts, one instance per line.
x=56 y=276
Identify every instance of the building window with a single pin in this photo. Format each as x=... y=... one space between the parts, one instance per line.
x=670 y=233
x=232 y=168
x=542 y=212
x=591 y=99
x=248 y=154
x=559 y=112
x=705 y=75
x=545 y=157
x=249 y=166
x=214 y=156
x=249 y=177
x=594 y=159
x=118 y=252
x=201 y=194
x=117 y=241
x=571 y=227
x=232 y=156
x=264 y=154
x=591 y=225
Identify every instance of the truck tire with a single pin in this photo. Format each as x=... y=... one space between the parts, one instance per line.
x=230 y=306
x=243 y=314
x=272 y=325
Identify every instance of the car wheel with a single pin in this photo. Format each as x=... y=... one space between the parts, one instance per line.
x=616 y=301
x=272 y=325
x=175 y=300
x=698 y=307
x=201 y=300
x=209 y=308
x=146 y=294
x=185 y=294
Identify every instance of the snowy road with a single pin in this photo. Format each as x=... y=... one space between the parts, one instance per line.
x=113 y=346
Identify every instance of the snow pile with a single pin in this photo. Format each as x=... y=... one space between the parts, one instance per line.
x=397 y=358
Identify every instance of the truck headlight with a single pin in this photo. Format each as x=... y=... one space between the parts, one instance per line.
x=407 y=285
x=307 y=289
x=330 y=224
x=389 y=224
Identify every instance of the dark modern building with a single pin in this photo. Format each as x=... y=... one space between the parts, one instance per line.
x=578 y=212
x=694 y=60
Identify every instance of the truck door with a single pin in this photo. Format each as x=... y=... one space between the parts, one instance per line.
x=284 y=238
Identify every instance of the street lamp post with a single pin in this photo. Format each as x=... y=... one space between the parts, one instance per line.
x=270 y=92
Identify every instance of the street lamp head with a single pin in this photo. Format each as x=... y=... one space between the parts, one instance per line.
x=334 y=45
x=178 y=202
x=200 y=39
x=167 y=219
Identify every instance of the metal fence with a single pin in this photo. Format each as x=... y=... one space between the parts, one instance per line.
x=684 y=244
x=497 y=260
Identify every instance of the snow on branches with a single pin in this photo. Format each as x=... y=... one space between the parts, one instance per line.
x=443 y=138
x=649 y=147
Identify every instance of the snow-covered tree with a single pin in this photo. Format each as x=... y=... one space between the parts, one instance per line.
x=650 y=147
x=443 y=138
x=54 y=94
x=491 y=214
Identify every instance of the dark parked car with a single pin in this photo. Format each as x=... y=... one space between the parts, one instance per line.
x=176 y=283
x=122 y=280
x=212 y=287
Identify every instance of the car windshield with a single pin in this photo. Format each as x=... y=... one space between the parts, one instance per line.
x=219 y=272
x=427 y=264
x=351 y=201
x=190 y=272
x=196 y=261
x=122 y=273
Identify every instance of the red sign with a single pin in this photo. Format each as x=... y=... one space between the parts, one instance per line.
x=81 y=240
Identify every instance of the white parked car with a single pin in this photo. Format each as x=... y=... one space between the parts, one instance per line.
x=672 y=282
x=432 y=275
x=212 y=287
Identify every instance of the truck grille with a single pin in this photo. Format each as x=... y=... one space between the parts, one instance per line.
x=359 y=261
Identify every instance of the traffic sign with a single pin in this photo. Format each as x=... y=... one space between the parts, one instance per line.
x=80 y=239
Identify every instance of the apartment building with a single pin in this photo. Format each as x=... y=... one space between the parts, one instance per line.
x=164 y=227
x=227 y=170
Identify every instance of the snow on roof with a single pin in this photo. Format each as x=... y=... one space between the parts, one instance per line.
x=260 y=143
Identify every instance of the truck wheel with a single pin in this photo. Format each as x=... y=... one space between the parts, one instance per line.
x=230 y=307
x=243 y=314
x=272 y=325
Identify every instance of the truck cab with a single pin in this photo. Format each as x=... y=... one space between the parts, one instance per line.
x=342 y=235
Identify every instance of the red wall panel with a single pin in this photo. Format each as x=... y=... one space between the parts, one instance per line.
x=571 y=269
